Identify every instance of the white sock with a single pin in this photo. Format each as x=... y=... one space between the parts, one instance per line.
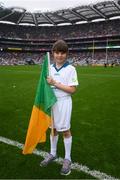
x=53 y=142
x=68 y=145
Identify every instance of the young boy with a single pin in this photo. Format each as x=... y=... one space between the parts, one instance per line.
x=63 y=81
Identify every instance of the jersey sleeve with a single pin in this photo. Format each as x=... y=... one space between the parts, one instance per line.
x=72 y=79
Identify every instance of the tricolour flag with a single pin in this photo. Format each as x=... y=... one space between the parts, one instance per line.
x=41 y=113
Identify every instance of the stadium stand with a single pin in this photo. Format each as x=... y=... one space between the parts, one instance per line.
x=92 y=43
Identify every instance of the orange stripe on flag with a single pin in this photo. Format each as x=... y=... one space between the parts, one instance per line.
x=39 y=123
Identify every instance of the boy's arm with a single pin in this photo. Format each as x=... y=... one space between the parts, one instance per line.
x=68 y=89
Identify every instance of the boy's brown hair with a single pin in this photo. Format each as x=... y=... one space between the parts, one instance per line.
x=60 y=46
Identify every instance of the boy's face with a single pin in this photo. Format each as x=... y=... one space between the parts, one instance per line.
x=60 y=57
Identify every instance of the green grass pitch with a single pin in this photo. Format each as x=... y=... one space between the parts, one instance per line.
x=95 y=123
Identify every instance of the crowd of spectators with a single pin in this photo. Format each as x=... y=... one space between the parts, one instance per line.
x=95 y=29
x=79 y=58
x=98 y=58
x=103 y=28
x=15 y=58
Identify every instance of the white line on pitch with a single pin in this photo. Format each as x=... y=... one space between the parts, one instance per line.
x=75 y=166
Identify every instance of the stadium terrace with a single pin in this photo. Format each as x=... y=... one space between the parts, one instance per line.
x=95 y=42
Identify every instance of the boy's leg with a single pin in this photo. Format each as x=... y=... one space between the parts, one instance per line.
x=66 y=168
x=52 y=155
x=53 y=143
x=67 y=144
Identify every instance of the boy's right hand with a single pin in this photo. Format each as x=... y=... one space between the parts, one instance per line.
x=51 y=81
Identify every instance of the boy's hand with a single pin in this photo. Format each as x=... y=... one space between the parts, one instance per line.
x=51 y=81
x=68 y=89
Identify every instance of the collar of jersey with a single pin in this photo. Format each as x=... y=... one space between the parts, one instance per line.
x=64 y=65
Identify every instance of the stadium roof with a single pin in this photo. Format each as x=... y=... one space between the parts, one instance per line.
x=102 y=10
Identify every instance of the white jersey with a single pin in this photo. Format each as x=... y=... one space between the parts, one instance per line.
x=62 y=108
x=65 y=75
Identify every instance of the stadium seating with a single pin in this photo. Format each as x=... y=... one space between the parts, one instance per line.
x=79 y=37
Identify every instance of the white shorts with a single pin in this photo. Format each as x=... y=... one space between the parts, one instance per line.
x=62 y=113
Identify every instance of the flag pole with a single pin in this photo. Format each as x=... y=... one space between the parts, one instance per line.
x=49 y=74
